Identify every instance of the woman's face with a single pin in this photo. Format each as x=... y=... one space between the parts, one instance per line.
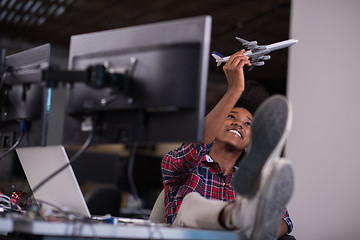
x=236 y=130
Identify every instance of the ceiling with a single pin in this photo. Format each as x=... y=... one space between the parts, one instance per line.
x=54 y=21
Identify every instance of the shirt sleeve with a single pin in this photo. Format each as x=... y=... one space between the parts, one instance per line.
x=178 y=163
x=286 y=218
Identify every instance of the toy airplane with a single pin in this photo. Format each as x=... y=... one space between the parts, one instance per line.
x=255 y=52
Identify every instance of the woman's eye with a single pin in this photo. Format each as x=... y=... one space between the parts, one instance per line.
x=248 y=124
x=231 y=116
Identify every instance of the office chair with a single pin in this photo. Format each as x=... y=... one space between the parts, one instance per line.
x=104 y=200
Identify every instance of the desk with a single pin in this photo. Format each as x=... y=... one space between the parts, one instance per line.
x=67 y=230
x=6 y=225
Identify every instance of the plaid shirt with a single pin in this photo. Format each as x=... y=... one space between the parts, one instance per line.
x=189 y=169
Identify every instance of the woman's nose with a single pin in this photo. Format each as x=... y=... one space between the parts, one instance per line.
x=236 y=123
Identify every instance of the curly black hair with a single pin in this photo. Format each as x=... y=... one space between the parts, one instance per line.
x=253 y=95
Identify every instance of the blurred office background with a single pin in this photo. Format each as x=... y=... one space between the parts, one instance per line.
x=320 y=77
x=27 y=24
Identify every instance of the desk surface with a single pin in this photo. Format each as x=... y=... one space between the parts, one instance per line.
x=6 y=225
x=119 y=230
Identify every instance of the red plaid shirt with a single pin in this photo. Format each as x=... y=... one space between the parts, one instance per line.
x=189 y=169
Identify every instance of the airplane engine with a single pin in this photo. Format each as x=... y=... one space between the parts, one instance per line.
x=252 y=43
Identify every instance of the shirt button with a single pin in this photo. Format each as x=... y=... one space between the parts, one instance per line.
x=223 y=184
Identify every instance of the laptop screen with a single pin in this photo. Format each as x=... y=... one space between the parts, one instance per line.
x=62 y=190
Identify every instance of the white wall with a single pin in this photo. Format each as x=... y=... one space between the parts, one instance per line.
x=324 y=144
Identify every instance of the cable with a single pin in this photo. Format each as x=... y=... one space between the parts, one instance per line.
x=23 y=123
x=66 y=214
x=132 y=160
x=130 y=173
x=2 y=80
x=23 y=127
x=73 y=158
x=9 y=205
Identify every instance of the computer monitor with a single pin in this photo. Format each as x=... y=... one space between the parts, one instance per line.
x=24 y=99
x=161 y=94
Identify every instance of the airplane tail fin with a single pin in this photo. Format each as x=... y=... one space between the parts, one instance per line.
x=218 y=57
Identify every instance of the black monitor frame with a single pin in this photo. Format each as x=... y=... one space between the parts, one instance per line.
x=24 y=99
x=162 y=95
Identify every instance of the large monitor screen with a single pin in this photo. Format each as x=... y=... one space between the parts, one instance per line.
x=157 y=90
x=23 y=98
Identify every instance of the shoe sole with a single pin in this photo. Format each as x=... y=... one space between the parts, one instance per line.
x=272 y=122
x=276 y=193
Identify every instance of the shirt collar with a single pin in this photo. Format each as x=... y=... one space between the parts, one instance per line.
x=209 y=159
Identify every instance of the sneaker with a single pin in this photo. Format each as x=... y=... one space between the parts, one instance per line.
x=272 y=122
x=259 y=217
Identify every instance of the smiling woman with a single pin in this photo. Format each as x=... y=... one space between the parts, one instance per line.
x=200 y=173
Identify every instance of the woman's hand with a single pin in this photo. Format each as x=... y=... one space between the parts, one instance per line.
x=234 y=71
x=235 y=76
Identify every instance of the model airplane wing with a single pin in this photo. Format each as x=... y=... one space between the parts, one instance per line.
x=248 y=45
x=256 y=53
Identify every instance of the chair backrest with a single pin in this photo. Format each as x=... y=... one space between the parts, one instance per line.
x=104 y=200
x=157 y=214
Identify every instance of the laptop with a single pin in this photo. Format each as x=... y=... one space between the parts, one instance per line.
x=62 y=190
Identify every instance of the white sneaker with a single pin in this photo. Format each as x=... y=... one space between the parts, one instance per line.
x=258 y=217
x=272 y=122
